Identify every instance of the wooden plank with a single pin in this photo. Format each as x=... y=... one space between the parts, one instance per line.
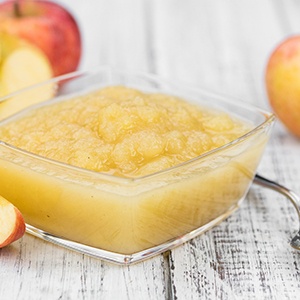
x=33 y=269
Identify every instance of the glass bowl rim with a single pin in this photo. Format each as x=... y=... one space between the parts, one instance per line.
x=269 y=119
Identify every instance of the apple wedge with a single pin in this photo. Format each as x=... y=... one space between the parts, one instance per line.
x=12 y=225
x=22 y=65
x=49 y=26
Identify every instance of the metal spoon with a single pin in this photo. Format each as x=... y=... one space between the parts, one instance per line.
x=295 y=242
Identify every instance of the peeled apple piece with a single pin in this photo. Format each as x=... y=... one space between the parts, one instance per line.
x=22 y=65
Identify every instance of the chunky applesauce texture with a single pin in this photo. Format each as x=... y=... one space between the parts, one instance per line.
x=122 y=131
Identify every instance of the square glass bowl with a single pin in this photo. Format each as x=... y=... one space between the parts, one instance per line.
x=126 y=220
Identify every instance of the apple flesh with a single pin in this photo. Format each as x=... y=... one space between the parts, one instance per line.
x=12 y=225
x=22 y=65
x=48 y=26
x=283 y=83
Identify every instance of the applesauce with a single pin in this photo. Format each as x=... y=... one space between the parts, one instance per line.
x=125 y=197
x=122 y=131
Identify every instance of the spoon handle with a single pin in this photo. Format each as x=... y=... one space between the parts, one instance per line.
x=293 y=197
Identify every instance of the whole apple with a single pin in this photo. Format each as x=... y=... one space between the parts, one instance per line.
x=48 y=26
x=283 y=83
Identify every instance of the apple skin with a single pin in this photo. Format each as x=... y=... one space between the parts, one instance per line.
x=283 y=83
x=12 y=223
x=48 y=26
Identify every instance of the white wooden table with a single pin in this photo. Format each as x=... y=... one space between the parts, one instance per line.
x=220 y=45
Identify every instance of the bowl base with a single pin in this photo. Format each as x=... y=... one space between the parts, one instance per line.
x=125 y=259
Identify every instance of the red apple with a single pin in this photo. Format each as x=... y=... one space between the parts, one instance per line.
x=12 y=225
x=46 y=25
x=283 y=83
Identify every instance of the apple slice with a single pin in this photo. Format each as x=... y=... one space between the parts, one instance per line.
x=22 y=65
x=47 y=25
x=12 y=225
